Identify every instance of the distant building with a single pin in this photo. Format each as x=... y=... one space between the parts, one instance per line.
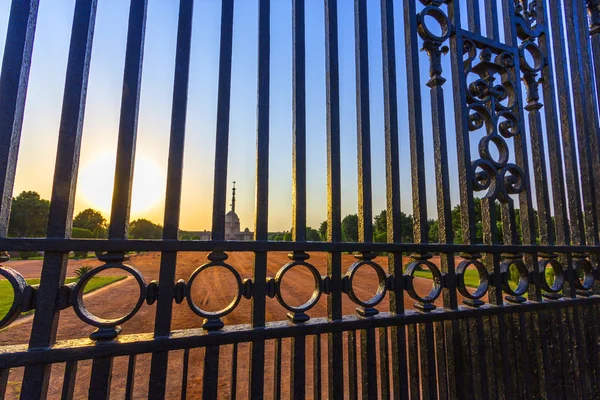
x=232 y=226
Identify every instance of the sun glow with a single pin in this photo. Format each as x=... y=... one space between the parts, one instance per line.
x=96 y=179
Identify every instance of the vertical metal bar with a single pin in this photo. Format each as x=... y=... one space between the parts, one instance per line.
x=45 y=320
x=365 y=214
x=491 y=19
x=4 y=373
x=334 y=229
x=223 y=111
x=298 y=123
x=298 y=368
x=257 y=348
x=427 y=355
x=298 y=343
x=317 y=367
x=577 y=231
x=463 y=145
x=368 y=357
x=474 y=16
x=68 y=381
x=130 y=385
x=162 y=325
x=442 y=360
x=210 y=385
x=415 y=123
x=394 y=213
x=584 y=49
x=14 y=78
x=277 y=370
x=384 y=363
x=352 y=367
x=413 y=361
x=132 y=79
x=184 y=373
x=101 y=378
x=121 y=201
x=584 y=129
x=233 y=381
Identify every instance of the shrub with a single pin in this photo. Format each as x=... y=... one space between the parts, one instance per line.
x=195 y=237
x=185 y=236
x=81 y=271
x=26 y=255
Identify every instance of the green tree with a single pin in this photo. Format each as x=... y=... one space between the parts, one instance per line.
x=406 y=226
x=323 y=231
x=350 y=228
x=91 y=220
x=195 y=237
x=186 y=236
x=28 y=215
x=144 y=229
x=287 y=237
x=312 y=235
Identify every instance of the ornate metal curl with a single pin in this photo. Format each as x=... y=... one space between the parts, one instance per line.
x=424 y=303
x=472 y=299
x=491 y=106
x=212 y=319
x=526 y=15
x=18 y=284
x=107 y=328
x=298 y=314
x=366 y=308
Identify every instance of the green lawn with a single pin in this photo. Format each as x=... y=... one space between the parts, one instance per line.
x=6 y=292
x=471 y=277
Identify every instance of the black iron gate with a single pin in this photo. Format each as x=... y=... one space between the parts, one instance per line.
x=525 y=77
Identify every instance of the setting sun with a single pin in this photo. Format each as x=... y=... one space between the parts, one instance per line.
x=97 y=177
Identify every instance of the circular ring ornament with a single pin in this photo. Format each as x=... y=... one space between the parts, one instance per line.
x=316 y=294
x=18 y=284
x=583 y=265
x=521 y=289
x=484 y=280
x=213 y=315
x=436 y=289
x=440 y=17
x=381 y=288
x=501 y=147
x=536 y=54
x=559 y=275
x=89 y=318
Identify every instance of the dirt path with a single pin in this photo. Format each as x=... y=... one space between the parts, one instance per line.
x=213 y=290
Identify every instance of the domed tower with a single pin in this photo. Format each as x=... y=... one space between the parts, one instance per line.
x=232 y=221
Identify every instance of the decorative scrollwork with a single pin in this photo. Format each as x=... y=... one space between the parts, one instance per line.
x=212 y=319
x=107 y=328
x=526 y=13
x=491 y=106
x=298 y=313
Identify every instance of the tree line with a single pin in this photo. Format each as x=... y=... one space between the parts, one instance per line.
x=29 y=218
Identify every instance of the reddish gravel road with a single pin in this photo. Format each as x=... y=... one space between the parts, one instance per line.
x=212 y=292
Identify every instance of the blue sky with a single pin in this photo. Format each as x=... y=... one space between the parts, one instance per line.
x=40 y=131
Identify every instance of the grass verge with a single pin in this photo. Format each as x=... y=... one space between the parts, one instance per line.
x=7 y=296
